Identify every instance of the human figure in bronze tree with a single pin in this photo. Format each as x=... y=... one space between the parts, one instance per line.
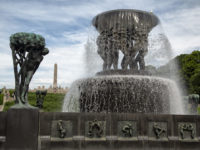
x=40 y=98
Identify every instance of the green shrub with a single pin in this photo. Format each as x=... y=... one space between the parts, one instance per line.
x=7 y=105
x=32 y=99
x=53 y=102
x=11 y=91
x=1 y=99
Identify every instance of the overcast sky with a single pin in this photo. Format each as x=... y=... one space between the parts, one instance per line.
x=66 y=26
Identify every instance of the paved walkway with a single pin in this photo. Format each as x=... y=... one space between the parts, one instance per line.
x=1 y=107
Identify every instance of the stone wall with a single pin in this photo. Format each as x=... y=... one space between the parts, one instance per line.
x=2 y=130
x=62 y=131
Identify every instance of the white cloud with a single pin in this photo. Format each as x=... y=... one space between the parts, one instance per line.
x=183 y=29
x=73 y=36
x=5 y=61
x=180 y=21
x=70 y=66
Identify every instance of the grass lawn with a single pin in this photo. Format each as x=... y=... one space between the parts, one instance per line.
x=198 y=110
x=52 y=102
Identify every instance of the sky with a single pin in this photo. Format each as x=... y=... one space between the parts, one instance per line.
x=66 y=27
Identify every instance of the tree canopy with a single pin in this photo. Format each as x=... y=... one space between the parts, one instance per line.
x=188 y=69
x=27 y=42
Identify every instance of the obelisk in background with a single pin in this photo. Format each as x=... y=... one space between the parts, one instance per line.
x=55 y=86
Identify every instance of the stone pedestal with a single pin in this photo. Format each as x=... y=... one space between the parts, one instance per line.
x=22 y=129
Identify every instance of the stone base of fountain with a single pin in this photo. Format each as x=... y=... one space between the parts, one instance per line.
x=110 y=131
x=123 y=72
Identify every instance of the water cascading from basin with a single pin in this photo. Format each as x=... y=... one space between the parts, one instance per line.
x=129 y=89
x=123 y=93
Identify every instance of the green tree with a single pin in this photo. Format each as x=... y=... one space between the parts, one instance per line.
x=188 y=71
x=191 y=63
x=195 y=82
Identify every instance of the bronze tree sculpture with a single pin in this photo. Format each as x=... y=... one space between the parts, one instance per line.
x=28 y=50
